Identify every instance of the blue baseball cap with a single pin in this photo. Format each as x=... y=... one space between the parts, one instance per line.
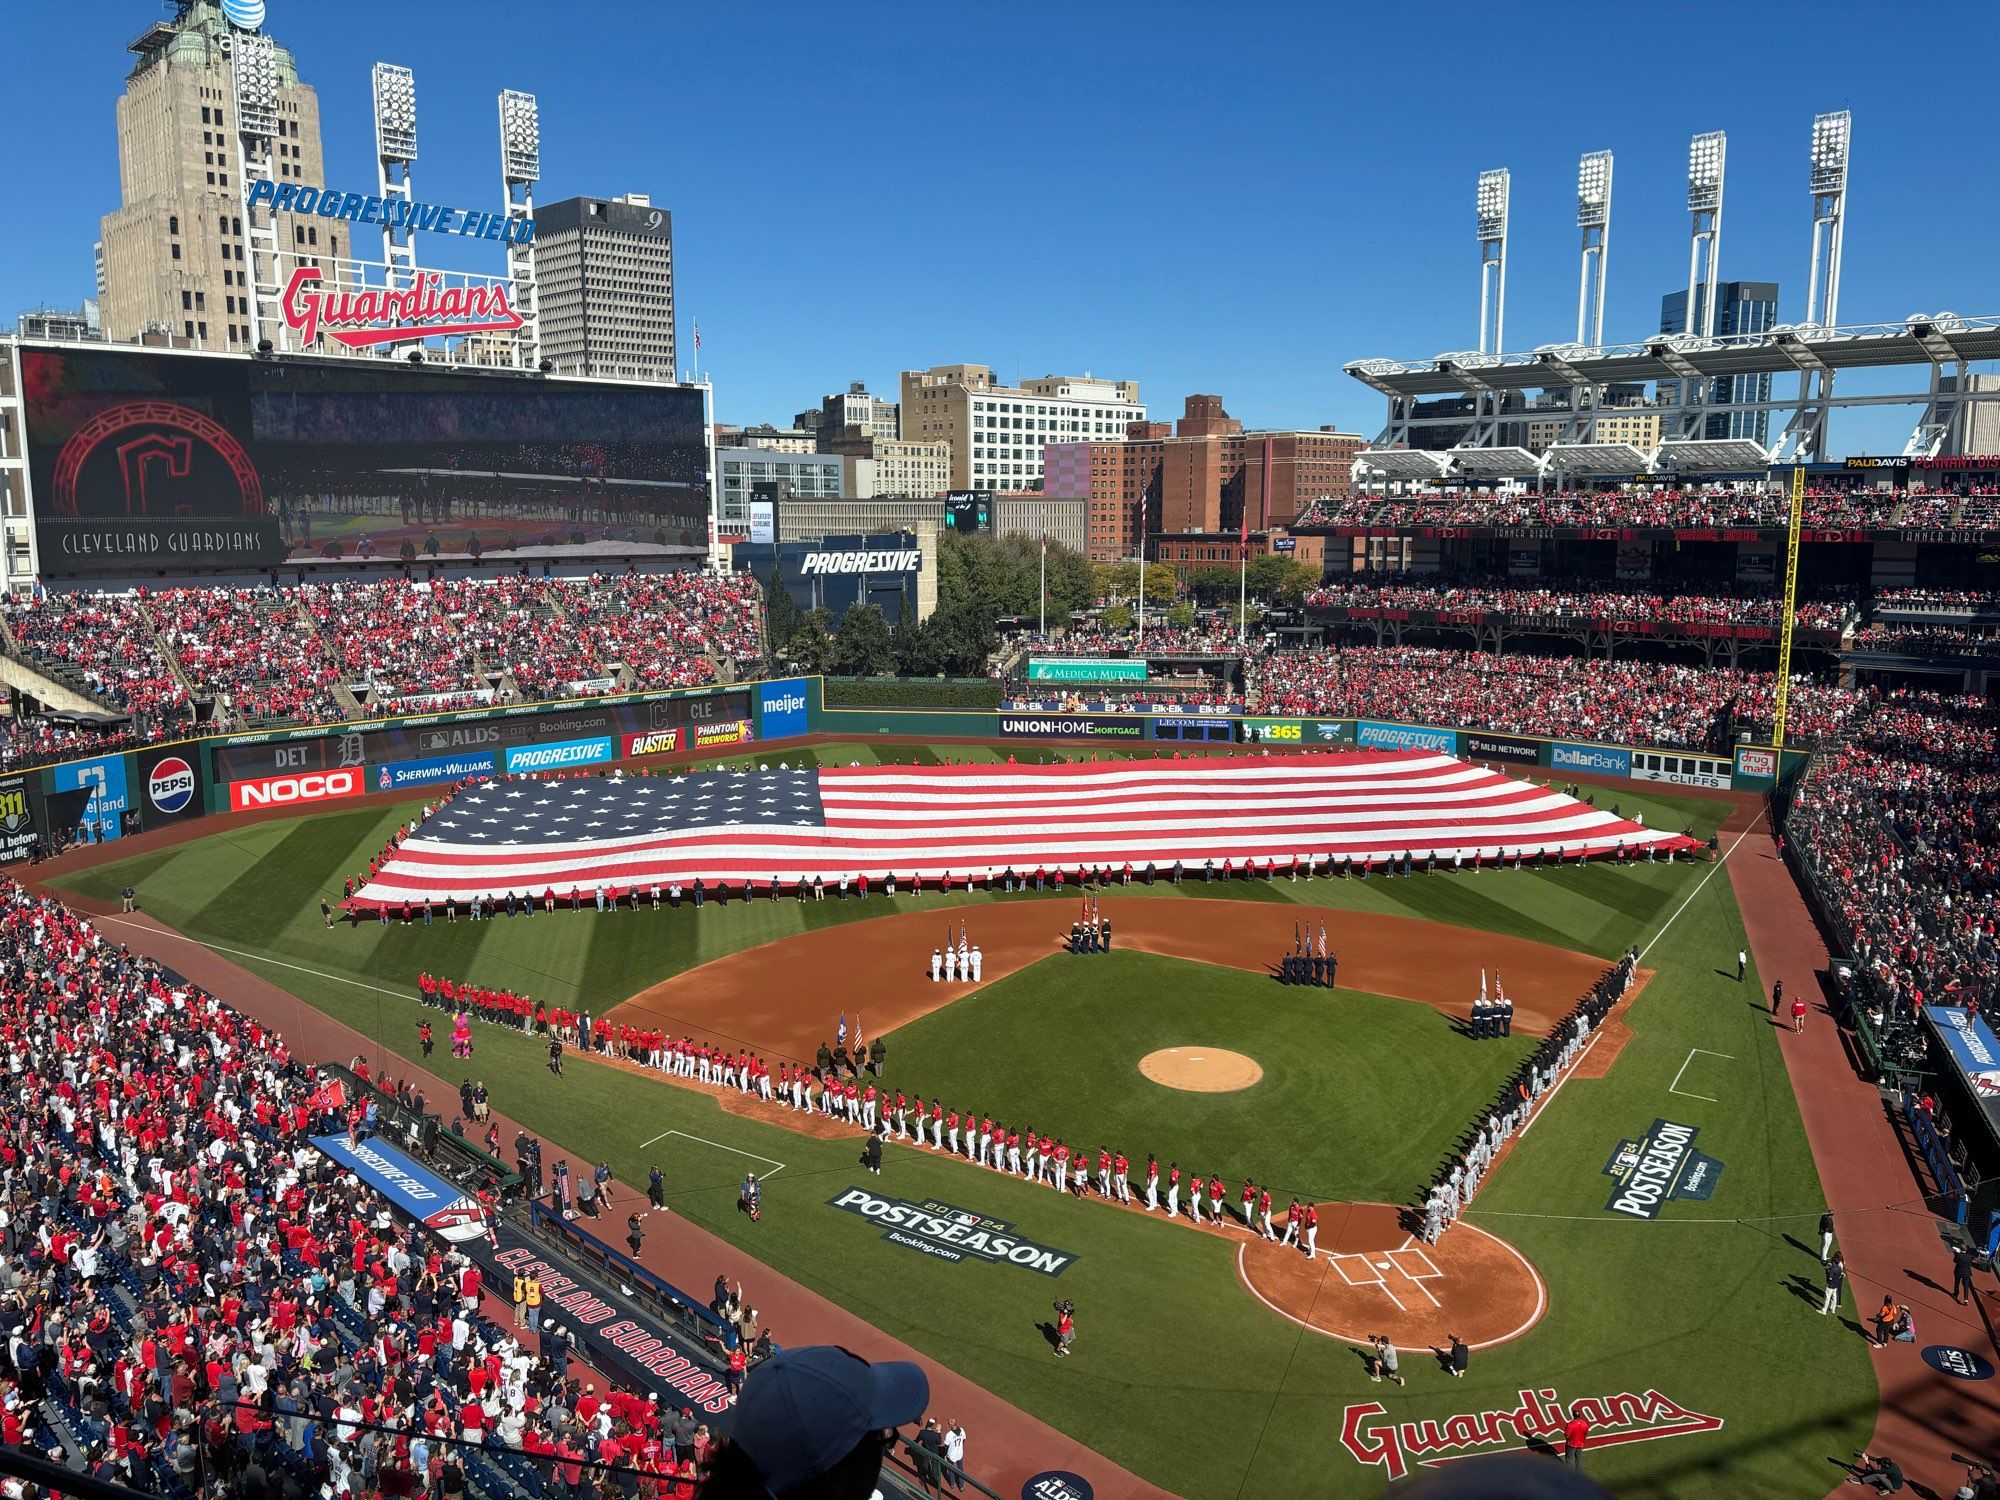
x=807 y=1409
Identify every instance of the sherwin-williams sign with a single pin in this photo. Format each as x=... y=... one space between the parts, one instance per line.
x=1660 y=1166
x=947 y=1233
x=1086 y=669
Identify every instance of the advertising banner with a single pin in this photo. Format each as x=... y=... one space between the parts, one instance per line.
x=655 y=741
x=557 y=757
x=763 y=522
x=1071 y=727
x=781 y=708
x=290 y=790
x=1377 y=736
x=734 y=732
x=1974 y=1051
x=394 y=775
x=1662 y=1165
x=1680 y=769
x=17 y=819
x=1510 y=748
x=169 y=784
x=416 y=1190
x=1323 y=732
x=1193 y=729
x=1086 y=669
x=104 y=779
x=1756 y=768
x=1598 y=760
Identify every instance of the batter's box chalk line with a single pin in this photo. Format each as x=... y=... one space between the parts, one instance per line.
x=775 y=1165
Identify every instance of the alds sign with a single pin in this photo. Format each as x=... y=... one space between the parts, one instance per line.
x=1397 y=1447
x=283 y=791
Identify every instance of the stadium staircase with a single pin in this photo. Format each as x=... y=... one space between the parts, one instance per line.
x=58 y=694
x=349 y=704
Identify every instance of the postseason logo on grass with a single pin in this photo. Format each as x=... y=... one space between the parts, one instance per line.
x=947 y=1233
x=1659 y=1166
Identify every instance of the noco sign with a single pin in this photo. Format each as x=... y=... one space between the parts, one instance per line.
x=288 y=791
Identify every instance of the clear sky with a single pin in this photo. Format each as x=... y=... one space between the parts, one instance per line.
x=1223 y=199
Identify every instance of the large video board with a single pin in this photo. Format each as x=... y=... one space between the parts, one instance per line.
x=146 y=460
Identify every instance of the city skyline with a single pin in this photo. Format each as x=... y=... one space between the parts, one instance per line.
x=1339 y=230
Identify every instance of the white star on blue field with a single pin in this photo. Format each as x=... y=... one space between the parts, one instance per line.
x=600 y=808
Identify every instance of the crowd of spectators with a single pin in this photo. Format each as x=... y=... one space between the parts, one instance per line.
x=1576 y=600
x=1093 y=638
x=32 y=741
x=1628 y=702
x=390 y=638
x=1828 y=505
x=247 y=649
x=199 y=1299
x=663 y=626
x=1926 y=640
x=1899 y=824
x=1937 y=601
x=100 y=644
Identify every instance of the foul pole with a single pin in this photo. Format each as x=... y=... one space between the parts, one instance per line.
x=1791 y=605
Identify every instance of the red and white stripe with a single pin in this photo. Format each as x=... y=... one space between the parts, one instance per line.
x=968 y=820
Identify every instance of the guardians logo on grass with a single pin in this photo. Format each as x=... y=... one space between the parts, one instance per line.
x=947 y=1233
x=1659 y=1166
x=1537 y=1423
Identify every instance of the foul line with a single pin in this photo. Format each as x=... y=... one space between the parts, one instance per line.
x=1675 y=1086
x=776 y=1165
x=1699 y=884
x=359 y=984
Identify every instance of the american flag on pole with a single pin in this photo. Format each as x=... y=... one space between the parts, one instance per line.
x=532 y=837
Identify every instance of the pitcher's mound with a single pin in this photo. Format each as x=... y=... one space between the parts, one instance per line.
x=1201 y=1070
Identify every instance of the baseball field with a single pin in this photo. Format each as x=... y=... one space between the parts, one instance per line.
x=1204 y=1363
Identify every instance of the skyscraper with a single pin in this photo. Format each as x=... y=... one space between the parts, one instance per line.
x=1740 y=307
x=175 y=257
x=604 y=281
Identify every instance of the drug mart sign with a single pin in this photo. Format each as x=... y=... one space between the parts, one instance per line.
x=946 y=1233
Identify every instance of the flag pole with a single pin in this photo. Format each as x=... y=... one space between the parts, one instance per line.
x=1042 y=516
x=1142 y=565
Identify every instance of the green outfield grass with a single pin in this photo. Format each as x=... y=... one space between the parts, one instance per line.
x=1179 y=1374
x=1361 y=1096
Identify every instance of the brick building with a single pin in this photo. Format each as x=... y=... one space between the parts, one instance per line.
x=1196 y=480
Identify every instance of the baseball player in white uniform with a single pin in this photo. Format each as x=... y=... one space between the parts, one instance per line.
x=1152 y=1184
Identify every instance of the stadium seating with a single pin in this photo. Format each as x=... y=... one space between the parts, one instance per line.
x=211 y=1296
x=1827 y=506
x=1579 y=600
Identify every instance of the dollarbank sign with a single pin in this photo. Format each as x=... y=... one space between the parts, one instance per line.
x=366 y=317
x=1399 y=1448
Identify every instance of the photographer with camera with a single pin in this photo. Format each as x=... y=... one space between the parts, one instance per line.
x=1878 y=1471
x=1982 y=1481
x=1065 y=1327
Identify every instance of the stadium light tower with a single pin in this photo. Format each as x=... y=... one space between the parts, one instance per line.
x=253 y=70
x=1827 y=179
x=520 y=170
x=1491 y=205
x=395 y=149
x=1593 y=219
x=1707 y=155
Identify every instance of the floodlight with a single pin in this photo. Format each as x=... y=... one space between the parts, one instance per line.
x=253 y=67
x=1830 y=138
x=1492 y=203
x=520 y=137
x=1706 y=156
x=1593 y=190
x=395 y=112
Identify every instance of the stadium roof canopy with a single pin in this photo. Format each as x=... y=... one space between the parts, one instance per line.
x=1603 y=458
x=1712 y=455
x=1943 y=338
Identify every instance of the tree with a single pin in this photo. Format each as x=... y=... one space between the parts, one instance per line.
x=811 y=645
x=1118 y=617
x=862 y=646
x=1276 y=578
x=781 y=616
x=1211 y=582
x=1181 y=616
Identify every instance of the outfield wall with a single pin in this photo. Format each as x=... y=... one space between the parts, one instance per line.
x=138 y=790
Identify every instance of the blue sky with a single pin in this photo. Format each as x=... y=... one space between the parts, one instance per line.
x=1232 y=201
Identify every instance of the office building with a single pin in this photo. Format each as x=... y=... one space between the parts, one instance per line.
x=998 y=433
x=604 y=287
x=771 y=439
x=1740 y=307
x=1641 y=426
x=1036 y=516
x=855 y=410
x=68 y=325
x=740 y=470
x=897 y=466
x=1979 y=436
x=1198 y=479
x=175 y=258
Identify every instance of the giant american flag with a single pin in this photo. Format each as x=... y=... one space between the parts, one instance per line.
x=530 y=837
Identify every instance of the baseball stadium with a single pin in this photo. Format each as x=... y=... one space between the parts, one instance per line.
x=541 y=961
